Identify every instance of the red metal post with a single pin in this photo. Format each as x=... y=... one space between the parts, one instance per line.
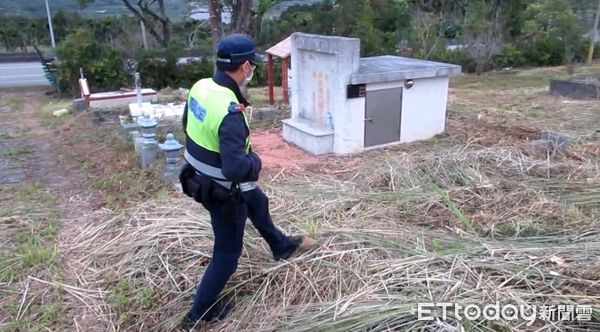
x=284 y=80
x=270 y=74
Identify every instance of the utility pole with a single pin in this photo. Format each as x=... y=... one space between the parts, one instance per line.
x=144 y=40
x=50 y=25
x=594 y=36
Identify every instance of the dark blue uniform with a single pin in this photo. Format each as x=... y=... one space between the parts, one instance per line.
x=237 y=166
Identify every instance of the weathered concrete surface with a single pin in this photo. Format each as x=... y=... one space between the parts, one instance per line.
x=389 y=68
x=22 y=74
x=314 y=138
x=542 y=146
x=319 y=64
x=170 y=111
x=578 y=87
x=321 y=68
x=559 y=141
x=266 y=113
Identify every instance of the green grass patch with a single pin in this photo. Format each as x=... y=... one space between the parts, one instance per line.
x=311 y=227
x=29 y=248
x=48 y=120
x=454 y=208
x=125 y=294
x=34 y=255
x=53 y=122
x=519 y=78
x=23 y=132
x=260 y=96
x=443 y=248
x=44 y=315
x=526 y=229
x=15 y=103
x=18 y=151
x=121 y=188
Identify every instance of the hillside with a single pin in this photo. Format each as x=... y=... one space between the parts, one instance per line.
x=177 y=9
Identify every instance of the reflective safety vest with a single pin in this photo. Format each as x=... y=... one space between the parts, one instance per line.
x=208 y=104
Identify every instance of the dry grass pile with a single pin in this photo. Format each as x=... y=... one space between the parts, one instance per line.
x=471 y=226
x=474 y=216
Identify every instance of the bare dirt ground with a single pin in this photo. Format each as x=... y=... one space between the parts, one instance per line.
x=276 y=154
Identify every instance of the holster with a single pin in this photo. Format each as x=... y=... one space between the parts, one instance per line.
x=195 y=186
x=203 y=190
x=232 y=204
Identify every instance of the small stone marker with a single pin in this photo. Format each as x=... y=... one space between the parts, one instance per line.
x=559 y=141
x=171 y=148
x=79 y=105
x=149 y=146
x=267 y=113
x=542 y=146
x=60 y=112
x=550 y=143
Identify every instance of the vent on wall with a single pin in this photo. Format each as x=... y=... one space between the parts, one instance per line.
x=356 y=91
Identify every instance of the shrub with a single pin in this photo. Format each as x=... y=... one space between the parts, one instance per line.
x=458 y=57
x=582 y=51
x=193 y=71
x=102 y=66
x=511 y=56
x=159 y=69
x=546 y=51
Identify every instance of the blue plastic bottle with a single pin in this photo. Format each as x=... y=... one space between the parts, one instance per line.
x=329 y=120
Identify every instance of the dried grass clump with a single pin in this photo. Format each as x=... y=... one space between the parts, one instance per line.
x=380 y=252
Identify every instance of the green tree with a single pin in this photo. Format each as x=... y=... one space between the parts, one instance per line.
x=512 y=15
x=427 y=37
x=356 y=19
x=379 y=24
x=317 y=18
x=393 y=19
x=554 y=22
x=258 y=12
x=240 y=15
x=482 y=32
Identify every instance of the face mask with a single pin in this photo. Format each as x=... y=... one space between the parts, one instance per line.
x=247 y=79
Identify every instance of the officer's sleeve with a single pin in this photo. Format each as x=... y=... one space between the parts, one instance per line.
x=184 y=118
x=236 y=164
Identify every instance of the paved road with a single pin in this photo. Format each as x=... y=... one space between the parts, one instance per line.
x=22 y=74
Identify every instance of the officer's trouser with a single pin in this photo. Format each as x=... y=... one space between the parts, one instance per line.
x=228 y=245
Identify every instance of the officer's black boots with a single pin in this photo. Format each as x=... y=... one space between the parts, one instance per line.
x=187 y=324
x=218 y=312
x=296 y=242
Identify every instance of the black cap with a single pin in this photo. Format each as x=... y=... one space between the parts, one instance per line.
x=235 y=49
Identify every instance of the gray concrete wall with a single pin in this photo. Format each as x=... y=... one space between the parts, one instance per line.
x=321 y=68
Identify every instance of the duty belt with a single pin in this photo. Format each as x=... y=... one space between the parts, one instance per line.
x=216 y=174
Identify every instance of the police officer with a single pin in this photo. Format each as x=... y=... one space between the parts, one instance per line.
x=222 y=171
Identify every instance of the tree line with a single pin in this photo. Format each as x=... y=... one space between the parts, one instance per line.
x=478 y=34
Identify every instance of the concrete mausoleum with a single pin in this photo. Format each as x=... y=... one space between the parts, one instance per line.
x=345 y=104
